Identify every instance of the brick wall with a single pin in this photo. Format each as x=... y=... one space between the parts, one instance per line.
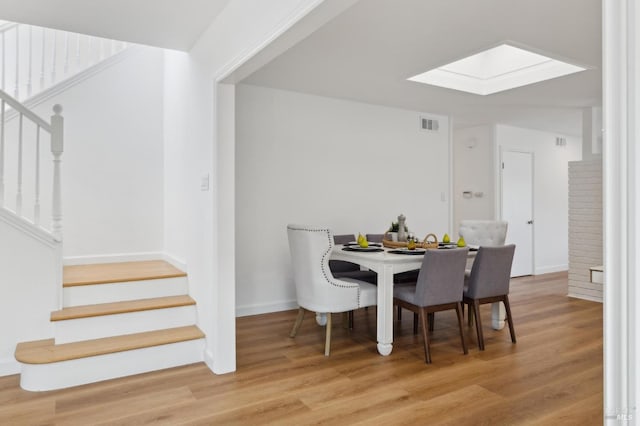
x=585 y=227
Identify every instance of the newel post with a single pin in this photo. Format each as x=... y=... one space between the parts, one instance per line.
x=57 y=147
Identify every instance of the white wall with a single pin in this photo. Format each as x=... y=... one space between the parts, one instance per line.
x=350 y=166
x=550 y=197
x=194 y=148
x=28 y=286
x=474 y=171
x=112 y=166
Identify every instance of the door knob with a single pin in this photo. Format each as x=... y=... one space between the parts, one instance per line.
x=529 y=222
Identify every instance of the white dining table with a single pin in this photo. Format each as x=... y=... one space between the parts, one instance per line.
x=386 y=265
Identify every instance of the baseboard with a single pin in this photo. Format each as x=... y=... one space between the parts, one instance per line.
x=586 y=297
x=28 y=228
x=113 y=258
x=180 y=264
x=208 y=359
x=549 y=269
x=9 y=367
x=244 y=311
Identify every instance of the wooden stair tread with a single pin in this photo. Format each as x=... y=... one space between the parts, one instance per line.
x=87 y=311
x=45 y=351
x=104 y=273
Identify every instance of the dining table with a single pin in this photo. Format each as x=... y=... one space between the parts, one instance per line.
x=387 y=262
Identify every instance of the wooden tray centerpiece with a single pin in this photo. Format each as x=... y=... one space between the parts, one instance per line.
x=429 y=242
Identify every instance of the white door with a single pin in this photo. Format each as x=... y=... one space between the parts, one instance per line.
x=517 y=208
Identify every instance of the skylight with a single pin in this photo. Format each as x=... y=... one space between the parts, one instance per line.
x=497 y=69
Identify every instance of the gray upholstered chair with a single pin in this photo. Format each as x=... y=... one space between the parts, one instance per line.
x=484 y=232
x=401 y=278
x=317 y=289
x=439 y=288
x=342 y=269
x=375 y=238
x=488 y=283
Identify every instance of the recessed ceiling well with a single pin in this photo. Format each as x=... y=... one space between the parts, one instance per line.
x=496 y=69
x=366 y=54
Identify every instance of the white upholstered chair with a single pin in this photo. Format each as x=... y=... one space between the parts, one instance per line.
x=317 y=289
x=484 y=232
x=490 y=233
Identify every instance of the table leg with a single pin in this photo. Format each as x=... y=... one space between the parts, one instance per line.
x=385 y=310
x=498 y=315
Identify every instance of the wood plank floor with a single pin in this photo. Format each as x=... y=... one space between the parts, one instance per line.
x=553 y=375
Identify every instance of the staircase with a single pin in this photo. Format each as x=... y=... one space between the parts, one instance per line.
x=117 y=319
x=85 y=323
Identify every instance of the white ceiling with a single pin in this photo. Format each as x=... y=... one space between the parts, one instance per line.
x=367 y=53
x=162 y=23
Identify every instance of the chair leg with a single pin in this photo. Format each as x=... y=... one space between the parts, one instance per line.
x=399 y=313
x=476 y=310
x=432 y=321
x=460 y=314
x=350 y=320
x=425 y=335
x=296 y=325
x=327 y=343
x=415 y=323
x=507 y=308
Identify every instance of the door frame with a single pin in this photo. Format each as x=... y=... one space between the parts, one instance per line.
x=621 y=97
x=499 y=198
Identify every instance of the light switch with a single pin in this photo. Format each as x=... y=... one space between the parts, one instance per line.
x=204 y=183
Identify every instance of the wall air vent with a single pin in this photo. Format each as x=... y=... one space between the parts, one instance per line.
x=429 y=124
x=561 y=141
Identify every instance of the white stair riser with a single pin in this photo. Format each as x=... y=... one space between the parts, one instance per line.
x=75 y=330
x=64 y=374
x=119 y=292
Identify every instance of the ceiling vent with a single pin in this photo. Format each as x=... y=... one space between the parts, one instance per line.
x=429 y=124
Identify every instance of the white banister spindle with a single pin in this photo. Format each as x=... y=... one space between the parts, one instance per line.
x=2 y=155
x=77 y=51
x=19 y=192
x=57 y=147
x=30 y=62
x=100 y=49
x=16 y=87
x=54 y=57
x=36 y=207
x=43 y=58
x=90 y=51
x=4 y=62
x=66 y=53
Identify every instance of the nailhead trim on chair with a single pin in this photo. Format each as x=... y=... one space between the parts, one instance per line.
x=325 y=256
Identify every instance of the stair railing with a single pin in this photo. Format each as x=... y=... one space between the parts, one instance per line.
x=55 y=128
x=36 y=58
